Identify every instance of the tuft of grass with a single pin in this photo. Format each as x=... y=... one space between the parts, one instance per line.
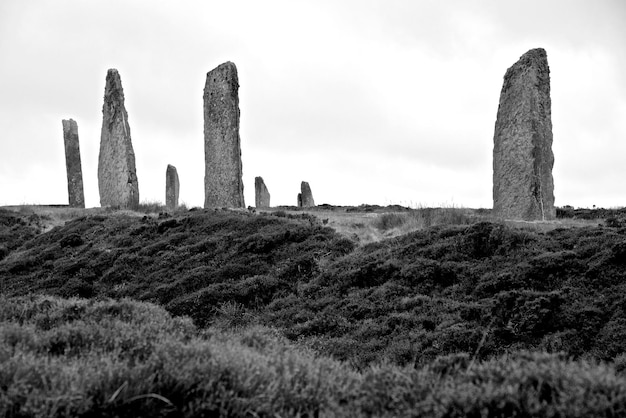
x=149 y=207
x=421 y=218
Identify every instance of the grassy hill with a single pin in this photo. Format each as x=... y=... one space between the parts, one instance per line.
x=463 y=316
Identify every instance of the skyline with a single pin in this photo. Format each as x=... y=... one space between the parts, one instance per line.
x=369 y=102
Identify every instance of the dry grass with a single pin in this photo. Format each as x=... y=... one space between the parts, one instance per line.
x=366 y=227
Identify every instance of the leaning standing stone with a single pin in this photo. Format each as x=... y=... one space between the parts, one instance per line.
x=306 y=196
x=223 y=185
x=73 y=165
x=261 y=194
x=172 y=187
x=523 y=187
x=117 y=176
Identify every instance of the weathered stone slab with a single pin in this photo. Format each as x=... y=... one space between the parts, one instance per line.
x=117 y=176
x=523 y=187
x=305 y=196
x=261 y=194
x=223 y=185
x=172 y=187
x=72 y=164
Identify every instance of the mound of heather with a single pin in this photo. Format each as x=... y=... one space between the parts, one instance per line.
x=475 y=291
x=480 y=290
x=15 y=229
x=189 y=263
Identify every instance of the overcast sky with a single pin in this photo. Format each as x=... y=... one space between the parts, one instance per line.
x=380 y=102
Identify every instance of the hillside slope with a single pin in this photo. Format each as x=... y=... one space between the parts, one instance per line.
x=479 y=290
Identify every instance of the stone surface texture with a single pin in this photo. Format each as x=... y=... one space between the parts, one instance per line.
x=172 y=187
x=223 y=185
x=523 y=187
x=117 y=176
x=306 y=197
x=261 y=194
x=73 y=165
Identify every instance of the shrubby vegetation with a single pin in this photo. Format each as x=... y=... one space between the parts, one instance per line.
x=477 y=319
x=75 y=357
x=189 y=263
x=15 y=230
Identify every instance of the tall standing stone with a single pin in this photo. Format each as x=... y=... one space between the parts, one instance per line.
x=523 y=187
x=172 y=187
x=72 y=164
x=223 y=185
x=261 y=194
x=117 y=176
x=305 y=198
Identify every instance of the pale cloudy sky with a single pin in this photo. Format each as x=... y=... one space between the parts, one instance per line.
x=379 y=101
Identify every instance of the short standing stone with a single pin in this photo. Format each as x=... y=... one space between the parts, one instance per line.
x=223 y=185
x=523 y=187
x=299 y=200
x=73 y=165
x=261 y=194
x=117 y=176
x=172 y=187
x=306 y=197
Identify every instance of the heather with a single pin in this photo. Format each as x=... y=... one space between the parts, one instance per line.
x=126 y=313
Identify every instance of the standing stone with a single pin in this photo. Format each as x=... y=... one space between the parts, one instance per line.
x=117 y=176
x=305 y=197
x=73 y=165
x=299 y=200
x=172 y=187
x=523 y=187
x=223 y=185
x=261 y=194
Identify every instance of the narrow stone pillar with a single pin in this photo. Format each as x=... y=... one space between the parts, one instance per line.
x=73 y=164
x=223 y=185
x=117 y=176
x=306 y=197
x=299 y=200
x=261 y=194
x=523 y=187
x=172 y=187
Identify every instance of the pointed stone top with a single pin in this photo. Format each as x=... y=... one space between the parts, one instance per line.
x=533 y=64
x=225 y=71
x=171 y=170
x=228 y=65
x=536 y=53
x=113 y=80
x=69 y=126
x=534 y=58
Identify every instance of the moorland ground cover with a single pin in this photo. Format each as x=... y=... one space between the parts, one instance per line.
x=528 y=319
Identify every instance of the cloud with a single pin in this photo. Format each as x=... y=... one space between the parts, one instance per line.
x=370 y=101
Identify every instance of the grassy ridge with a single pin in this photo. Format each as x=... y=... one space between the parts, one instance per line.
x=76 y=357
x=190 y=263
x=450 y=289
